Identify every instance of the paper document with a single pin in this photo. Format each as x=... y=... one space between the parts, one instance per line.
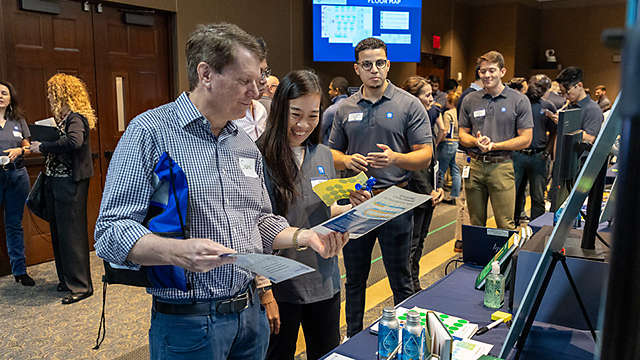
x=273 y=267
x=469 y=349
x=46 y=122
x=333 y=190
x=336 y=356
x=374 y=212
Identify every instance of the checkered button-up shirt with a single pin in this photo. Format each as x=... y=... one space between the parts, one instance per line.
x=228 y=203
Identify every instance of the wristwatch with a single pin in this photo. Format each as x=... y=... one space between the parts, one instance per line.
x=263 y=290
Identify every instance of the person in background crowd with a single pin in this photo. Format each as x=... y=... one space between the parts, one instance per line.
x=383 y=131
x=255 y=117
x=518 y=84
x=421 y=181
x=294 y=162
x=338 y=91
x=229 y=205
x=572 y=88
x=272 y=85
x=448 y=148
x=68 y=168
x=602 y=99
x=14 y=179
x=439 y=96
x=553 y=96
x=493 y=122
x=452 y=85
x=264 y=83
x=531 y=164
x=463 y=160
x=474 y=86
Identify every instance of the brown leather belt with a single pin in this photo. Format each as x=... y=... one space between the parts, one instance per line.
x=379 y=190
x=493 y=159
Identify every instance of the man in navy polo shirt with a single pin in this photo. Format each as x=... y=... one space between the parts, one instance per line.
x=384 y=131
x=572 y=88
x=494 y=122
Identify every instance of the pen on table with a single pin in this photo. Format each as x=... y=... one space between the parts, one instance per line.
x=484 y=329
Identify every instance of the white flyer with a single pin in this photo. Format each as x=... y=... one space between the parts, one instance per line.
x=273 y=267
x=336 y=356
x=372 y=213
x=46 y=122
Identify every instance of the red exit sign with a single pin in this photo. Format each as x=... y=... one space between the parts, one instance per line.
x=436 y=42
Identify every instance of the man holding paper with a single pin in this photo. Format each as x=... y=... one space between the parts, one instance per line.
x=384 y=131
x=219 y=316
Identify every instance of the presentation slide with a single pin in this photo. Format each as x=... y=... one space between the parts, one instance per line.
x=338 y=26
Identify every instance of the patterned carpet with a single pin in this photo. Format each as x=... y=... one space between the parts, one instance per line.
x=35 y=325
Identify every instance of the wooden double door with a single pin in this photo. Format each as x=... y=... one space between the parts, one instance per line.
x=121 y=53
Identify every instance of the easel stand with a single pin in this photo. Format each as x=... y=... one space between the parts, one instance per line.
x=556 y=256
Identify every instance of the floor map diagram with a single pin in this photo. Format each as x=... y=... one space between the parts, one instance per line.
x=346 y=24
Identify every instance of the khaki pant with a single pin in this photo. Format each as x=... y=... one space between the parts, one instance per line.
x=495 y=181
x=461 y=201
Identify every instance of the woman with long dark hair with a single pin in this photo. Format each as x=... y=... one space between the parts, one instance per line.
x=14 y=180
x=422 y=181
x=68 y=168
x=294 y=163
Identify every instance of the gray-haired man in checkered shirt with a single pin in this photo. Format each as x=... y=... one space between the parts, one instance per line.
x=220 y=316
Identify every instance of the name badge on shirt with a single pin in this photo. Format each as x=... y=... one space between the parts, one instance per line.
x=17 y=134
x=465 y=172
x=355 y=117
x=248 y=167
x=479 y=113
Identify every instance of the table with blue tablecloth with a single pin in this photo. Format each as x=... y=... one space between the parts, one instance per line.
x=455 y=295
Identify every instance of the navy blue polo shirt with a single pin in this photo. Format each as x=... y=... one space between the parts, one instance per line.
x=541 y=123
x=591 y=115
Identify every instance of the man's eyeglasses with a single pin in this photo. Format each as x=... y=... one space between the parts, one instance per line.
x=367 y=65
x=565 y=92
x=264 y=74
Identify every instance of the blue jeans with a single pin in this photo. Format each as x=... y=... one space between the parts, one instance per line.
x=14 y=188
x=532 y=168
x=447 y=159
x=243 y=335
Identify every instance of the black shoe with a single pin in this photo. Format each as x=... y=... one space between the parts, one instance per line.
x=62 y=287
x=75 y=297
x=458 y=246
x=25 y=280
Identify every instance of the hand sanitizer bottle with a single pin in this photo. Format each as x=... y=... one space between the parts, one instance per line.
x=388 y=333
x=494 y=288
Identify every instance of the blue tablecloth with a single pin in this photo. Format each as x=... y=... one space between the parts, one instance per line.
x=455 y=295
x=546 y=219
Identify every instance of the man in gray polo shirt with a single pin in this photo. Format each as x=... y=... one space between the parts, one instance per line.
x=384 y=131
x=493 y=122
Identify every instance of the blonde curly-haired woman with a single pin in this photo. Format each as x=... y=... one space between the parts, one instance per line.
x=68 y=168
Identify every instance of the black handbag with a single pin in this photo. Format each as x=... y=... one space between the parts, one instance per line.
x=36 y=201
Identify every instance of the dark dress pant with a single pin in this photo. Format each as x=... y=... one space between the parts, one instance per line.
x=320 y=324
x=394 y=238
x=67 y=208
